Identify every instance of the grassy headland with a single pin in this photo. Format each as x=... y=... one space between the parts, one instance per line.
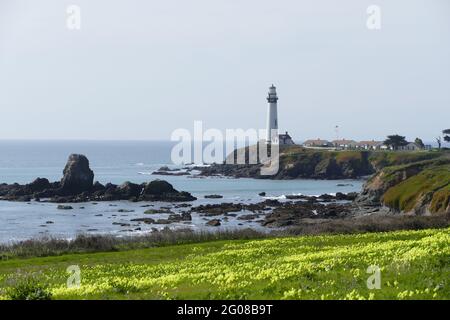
x=408 y=181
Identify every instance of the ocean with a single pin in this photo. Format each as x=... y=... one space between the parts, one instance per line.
x=117 y=162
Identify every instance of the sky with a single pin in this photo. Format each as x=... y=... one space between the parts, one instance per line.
x=142 y=69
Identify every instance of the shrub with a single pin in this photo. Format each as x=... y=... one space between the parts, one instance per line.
x=28 y=287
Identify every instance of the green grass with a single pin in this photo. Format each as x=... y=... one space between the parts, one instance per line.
x=381 y=159
x=414 y=265
x=434 y=181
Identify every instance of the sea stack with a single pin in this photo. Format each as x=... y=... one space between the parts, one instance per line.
x=78 y=177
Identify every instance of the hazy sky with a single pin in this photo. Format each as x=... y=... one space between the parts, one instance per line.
x=140 y=69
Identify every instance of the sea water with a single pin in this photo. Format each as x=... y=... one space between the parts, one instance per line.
x=117 y=162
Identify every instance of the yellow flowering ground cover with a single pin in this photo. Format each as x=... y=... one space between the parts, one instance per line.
x=412 y=265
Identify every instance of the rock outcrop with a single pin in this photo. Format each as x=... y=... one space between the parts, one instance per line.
x=78 y=177
x=302 y=164
x=421 y=187
x=77 y=186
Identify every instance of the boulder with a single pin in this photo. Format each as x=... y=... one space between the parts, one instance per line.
x=97 y=187
x=213 y=223
x=78 y=177
x=129 y=190
x=213 y=196
x=64 y=207
x=38 y=185
x=160 y=190
x=158 y=187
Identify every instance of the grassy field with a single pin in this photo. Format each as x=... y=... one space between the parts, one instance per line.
x=413 y=265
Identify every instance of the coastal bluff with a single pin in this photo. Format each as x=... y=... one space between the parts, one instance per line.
x=296 y=162
x=77 y=185
x=416 y=182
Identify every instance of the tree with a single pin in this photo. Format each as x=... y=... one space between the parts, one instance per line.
x=446 y=133
x=419 y=143
x=395 y=141
x=439 y=142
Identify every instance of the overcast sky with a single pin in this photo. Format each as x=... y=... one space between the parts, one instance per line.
x=140 y=69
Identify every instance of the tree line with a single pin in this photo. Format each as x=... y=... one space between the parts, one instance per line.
x=396 y=141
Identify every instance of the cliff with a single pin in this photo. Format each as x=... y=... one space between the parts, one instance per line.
x=297 y=162
x=416 y=187
x=409 y=182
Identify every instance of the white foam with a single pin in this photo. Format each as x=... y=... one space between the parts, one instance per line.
x=145 y=173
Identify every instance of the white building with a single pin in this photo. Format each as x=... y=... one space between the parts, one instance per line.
x=317 y=143
x=369 y=145
x=344 y=144
x=272 y=116
x=272 y=121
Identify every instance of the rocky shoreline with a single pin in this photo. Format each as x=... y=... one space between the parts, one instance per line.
x=296 y=163
x=77 y=185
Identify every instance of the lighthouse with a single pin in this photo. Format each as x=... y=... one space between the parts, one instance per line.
x=272 y=116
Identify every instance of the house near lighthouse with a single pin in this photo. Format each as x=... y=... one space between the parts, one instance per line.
x=272 y=135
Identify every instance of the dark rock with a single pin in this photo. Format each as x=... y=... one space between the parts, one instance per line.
x=78 y=177
x=144 y=220
x=160 y=190
x=97 y=187
x=158 y=187
x=351 y=196
x=186 y=216
x=121 y=224
x=174 y=172
x=175 y=217
x=296 y=197
x=262 y=194
x=348 y=197
x=213 y=223
x=213 y=196
x=63 y=207
x=163 y=221
x=218 y=209
x=129 y=190
x=158 y=211
x=248 y=216
x=183 y=205
x=294 y=213
x=39 y=185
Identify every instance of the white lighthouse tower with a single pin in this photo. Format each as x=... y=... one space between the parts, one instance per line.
x=272 y=116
